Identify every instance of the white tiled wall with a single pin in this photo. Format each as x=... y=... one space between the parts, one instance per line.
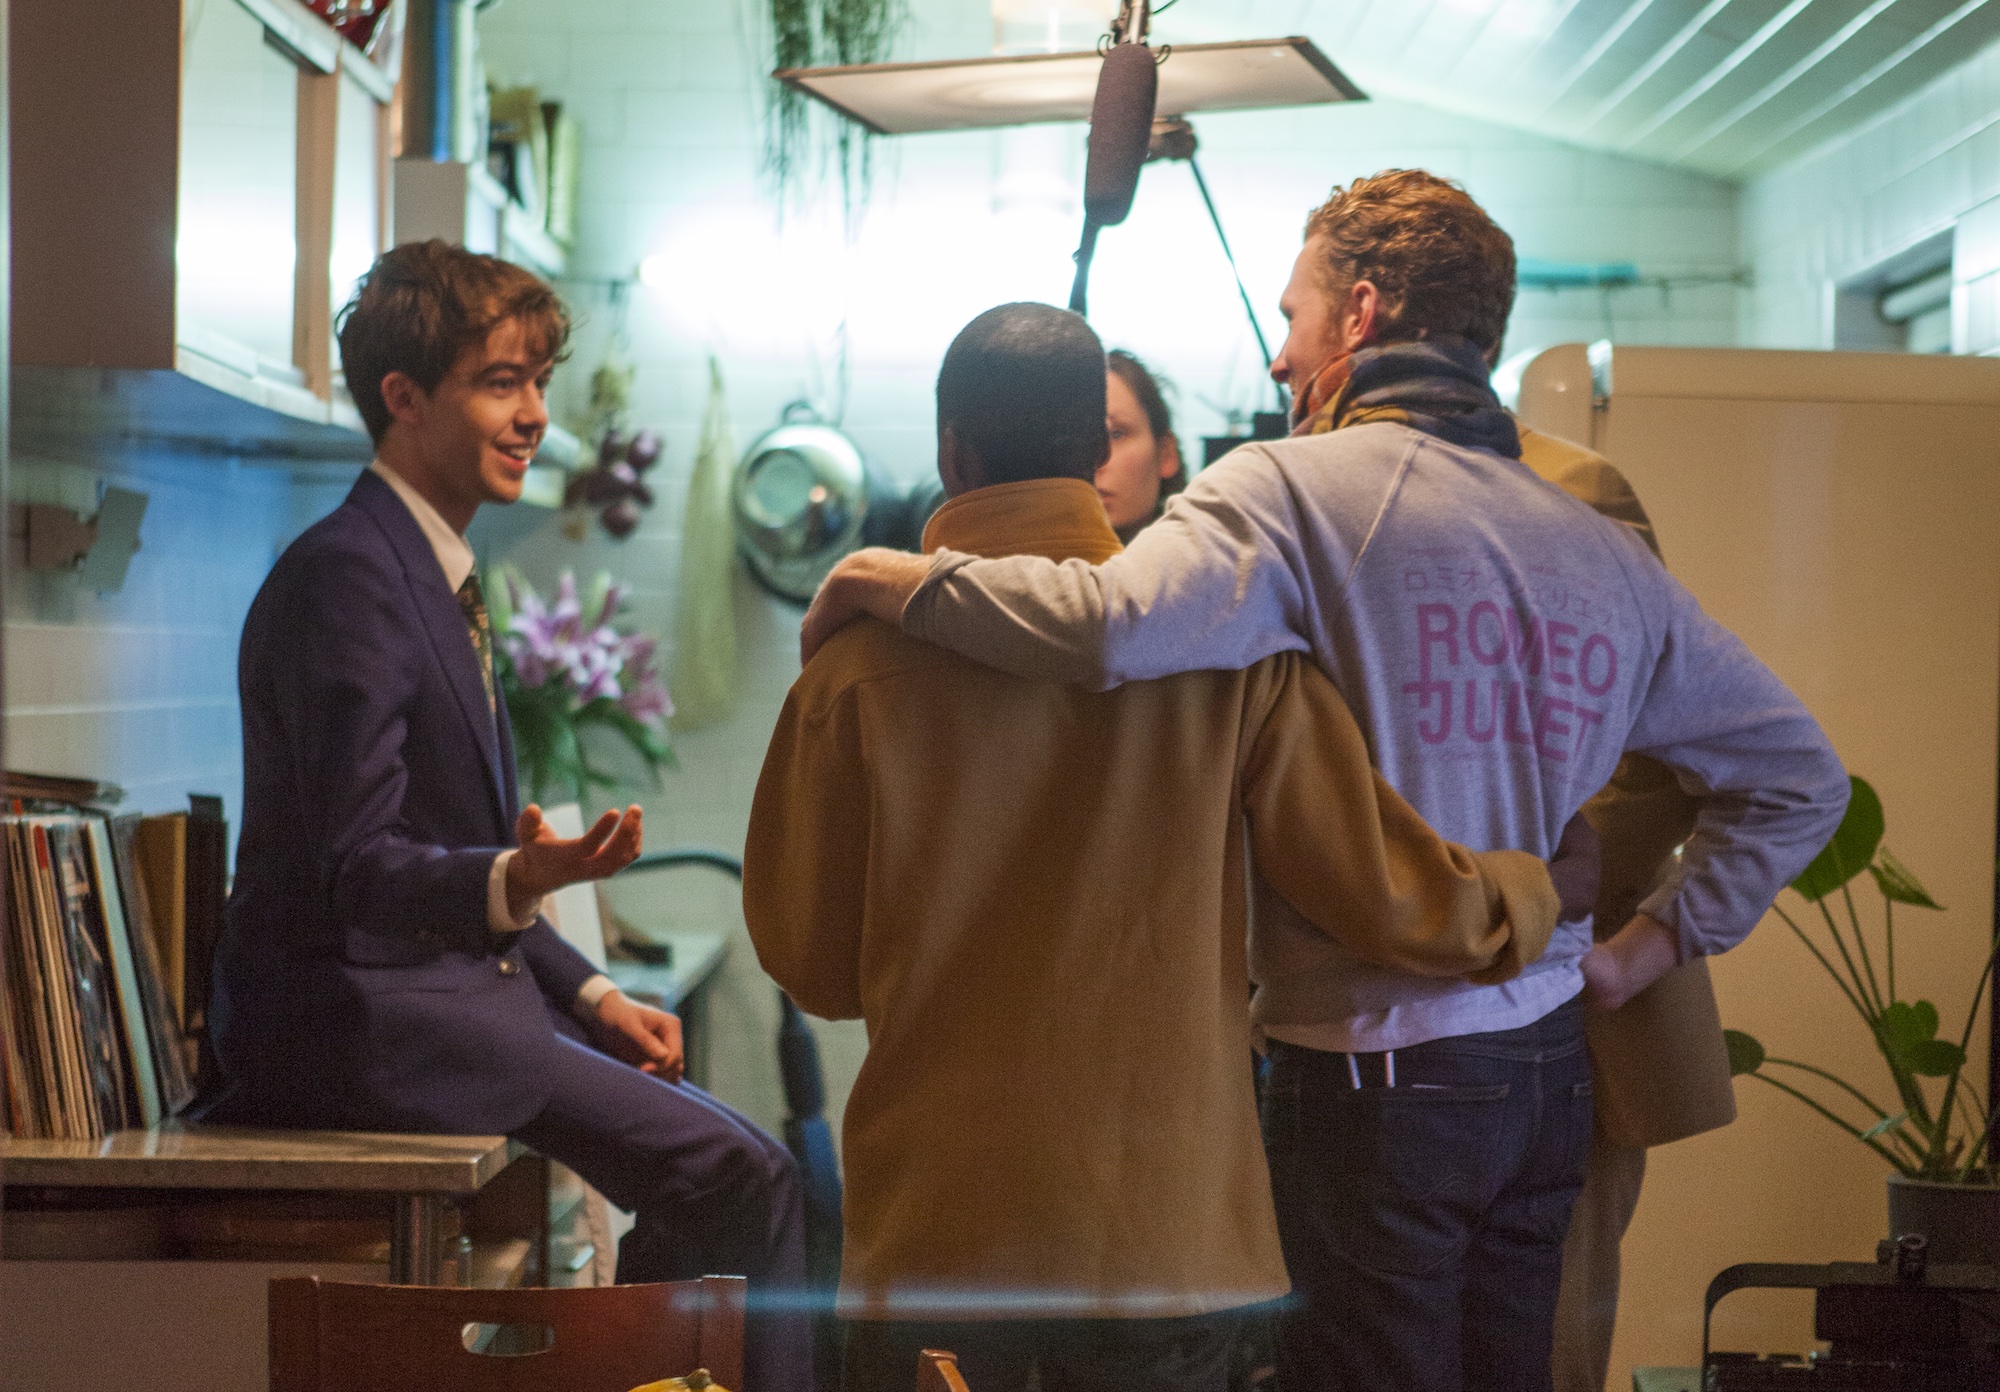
x=1864 y=198
x=669 y=99
x=139 y=687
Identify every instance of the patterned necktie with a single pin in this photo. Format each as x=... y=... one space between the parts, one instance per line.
x=473 y=601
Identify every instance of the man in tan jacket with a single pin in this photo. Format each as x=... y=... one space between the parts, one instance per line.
x=1035 y=896
x=1659 y=1067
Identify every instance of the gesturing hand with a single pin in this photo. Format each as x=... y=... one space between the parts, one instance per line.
x=648 y=1039
x=873 y=580
x=545 y=862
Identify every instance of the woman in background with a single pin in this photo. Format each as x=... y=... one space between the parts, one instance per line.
x=1145 y=467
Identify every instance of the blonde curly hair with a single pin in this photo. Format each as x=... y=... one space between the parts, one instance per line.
x=1441 y=264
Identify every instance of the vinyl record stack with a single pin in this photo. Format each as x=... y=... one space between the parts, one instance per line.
x=94 y=1038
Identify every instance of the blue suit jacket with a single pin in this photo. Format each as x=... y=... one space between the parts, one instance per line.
x=357 y=984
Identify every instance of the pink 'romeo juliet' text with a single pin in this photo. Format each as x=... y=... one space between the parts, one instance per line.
x=1530 y=659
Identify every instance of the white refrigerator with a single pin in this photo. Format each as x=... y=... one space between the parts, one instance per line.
x=1841 y=513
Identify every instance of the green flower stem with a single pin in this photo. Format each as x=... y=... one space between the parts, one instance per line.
x=1861 y=944
x=1972 y=1012
x=1976 y=1157
x=1979 y=1128
x=1898 y=1134
x=1852 y=1091
x=1831 y=970
x=1853 y=972
x=1848 y=1127
x=1908 y=1087
x=1889 y=939
x=1952 y=1092
x=1941 y=1132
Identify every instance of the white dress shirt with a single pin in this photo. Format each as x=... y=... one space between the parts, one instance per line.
x=455 y=558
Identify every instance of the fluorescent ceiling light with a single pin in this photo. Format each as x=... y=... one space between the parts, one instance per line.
x=1027 y=89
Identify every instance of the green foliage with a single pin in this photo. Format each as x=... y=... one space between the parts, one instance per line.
x=548 y=744
x=1746 y=1055
x=1908 y=1035
x=1941 y=1139
x=1898 y=885
x=1852 y=848
x=787 y=123
x=811 y=33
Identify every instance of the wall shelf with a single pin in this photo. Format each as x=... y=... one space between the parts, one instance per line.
x=198 y=404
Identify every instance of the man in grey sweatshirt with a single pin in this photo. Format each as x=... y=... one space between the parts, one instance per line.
x=1502 y=645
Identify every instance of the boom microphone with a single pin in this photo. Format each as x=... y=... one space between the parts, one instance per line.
x=1121 y=124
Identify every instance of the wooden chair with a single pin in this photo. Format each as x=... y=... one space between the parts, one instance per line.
x=328 y=1336
x=937 y=1371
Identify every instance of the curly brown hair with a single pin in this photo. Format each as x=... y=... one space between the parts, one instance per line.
x=422 y=304
x=1441 y=264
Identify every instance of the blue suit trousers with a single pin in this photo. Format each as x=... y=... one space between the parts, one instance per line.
x=712 y=1193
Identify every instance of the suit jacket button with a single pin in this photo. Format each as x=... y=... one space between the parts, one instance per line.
x=509 y=967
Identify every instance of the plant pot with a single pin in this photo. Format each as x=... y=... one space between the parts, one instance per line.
x=1961 y=1222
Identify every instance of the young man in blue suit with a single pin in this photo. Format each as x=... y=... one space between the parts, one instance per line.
x=384 y=964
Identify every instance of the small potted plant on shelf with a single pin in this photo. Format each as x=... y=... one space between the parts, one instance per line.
x=565 y=665
x=1936 y=1131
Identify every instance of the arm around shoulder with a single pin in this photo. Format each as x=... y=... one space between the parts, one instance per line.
x=1215 y=583
x=872 y=582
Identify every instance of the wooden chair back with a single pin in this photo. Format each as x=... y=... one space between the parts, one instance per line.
x=937 y=1371
x=329 y=1336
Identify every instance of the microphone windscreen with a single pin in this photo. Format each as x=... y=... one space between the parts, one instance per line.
x=1121 y=124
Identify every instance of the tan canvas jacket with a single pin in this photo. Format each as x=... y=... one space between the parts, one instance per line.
x=1035 y=896
x=1660 y=1070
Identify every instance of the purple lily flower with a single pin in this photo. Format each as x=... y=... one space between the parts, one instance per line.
x=572 y=661
x=614 y=600
x=646 y=696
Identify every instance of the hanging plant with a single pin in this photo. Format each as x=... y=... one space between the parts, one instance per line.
x=815 y=33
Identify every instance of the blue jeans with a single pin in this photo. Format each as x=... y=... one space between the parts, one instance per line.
x=1423 y=1221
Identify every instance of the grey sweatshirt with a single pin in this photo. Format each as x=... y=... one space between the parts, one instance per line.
x=1501 y=645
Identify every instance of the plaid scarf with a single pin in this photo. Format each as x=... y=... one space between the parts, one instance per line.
x=1437 y=385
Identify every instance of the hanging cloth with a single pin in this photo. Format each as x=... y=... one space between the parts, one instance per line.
x=704 y=680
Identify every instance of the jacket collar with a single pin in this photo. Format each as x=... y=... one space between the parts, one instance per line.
x=1058 y=518
x=443 y=621
x=453 y=552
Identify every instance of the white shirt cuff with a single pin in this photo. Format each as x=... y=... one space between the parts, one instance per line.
x=497 y=916
x=592 y=993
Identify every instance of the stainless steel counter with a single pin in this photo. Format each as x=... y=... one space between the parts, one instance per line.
x=177 y=1156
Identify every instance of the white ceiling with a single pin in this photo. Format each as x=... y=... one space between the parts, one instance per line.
x=1727 y=87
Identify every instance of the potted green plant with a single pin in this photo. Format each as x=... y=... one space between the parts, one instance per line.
x=1936 y=1133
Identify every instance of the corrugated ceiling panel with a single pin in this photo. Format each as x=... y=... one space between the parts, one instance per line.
x=1730 y=87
